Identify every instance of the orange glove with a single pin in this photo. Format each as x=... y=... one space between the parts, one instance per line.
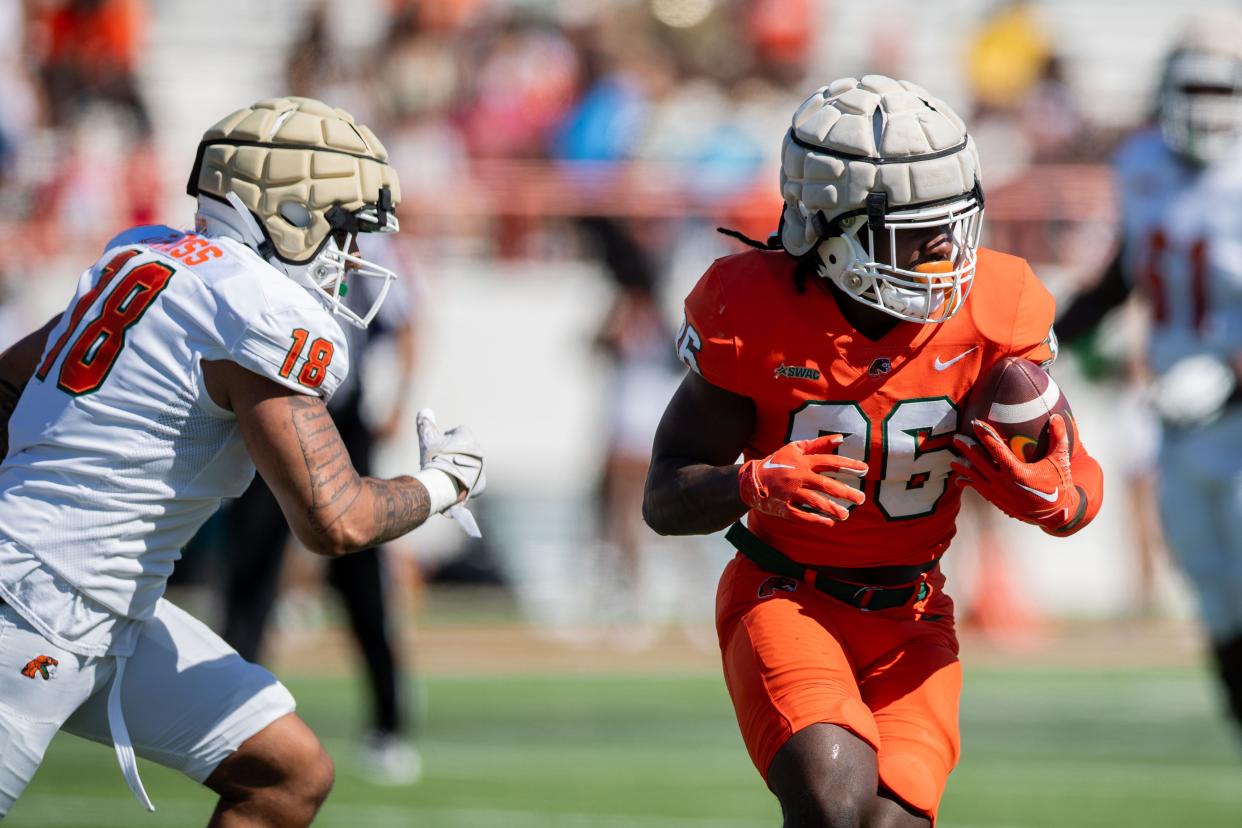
x=1042 y=492
x=790 y=482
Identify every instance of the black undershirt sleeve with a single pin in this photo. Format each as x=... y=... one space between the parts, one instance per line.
x=1092 y=305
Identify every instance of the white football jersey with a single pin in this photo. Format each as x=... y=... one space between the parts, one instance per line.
x=116 y=453
x=1182 y=242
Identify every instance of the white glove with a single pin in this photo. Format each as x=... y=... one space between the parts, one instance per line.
x=449 y=459
x=1194 y=390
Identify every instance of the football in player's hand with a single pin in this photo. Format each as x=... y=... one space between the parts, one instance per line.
x=1016 y=397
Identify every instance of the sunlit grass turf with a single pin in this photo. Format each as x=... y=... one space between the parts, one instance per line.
x=1129 y=748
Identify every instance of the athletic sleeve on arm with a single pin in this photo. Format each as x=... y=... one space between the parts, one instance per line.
x=296 y=347
x=707 y=342
x=1033 y=335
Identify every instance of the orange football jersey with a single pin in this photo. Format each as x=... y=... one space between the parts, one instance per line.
x=896 y=401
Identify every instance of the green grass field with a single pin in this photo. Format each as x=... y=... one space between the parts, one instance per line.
x=1118 y=748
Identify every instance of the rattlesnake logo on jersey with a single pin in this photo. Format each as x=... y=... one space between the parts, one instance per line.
x=41 y=665
x=770 y=587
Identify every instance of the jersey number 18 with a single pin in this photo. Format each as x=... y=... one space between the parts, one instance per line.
x=94 y=351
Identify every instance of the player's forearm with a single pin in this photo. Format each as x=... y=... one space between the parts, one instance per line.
x=686 y=498
x=396 y=506
x=345 y=512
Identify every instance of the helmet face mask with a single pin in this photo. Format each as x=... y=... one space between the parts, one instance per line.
x=1200 y=102
x=336 y=268
x=866 y=258
x=1201 y=122
x=872 y=172
x=297 y=181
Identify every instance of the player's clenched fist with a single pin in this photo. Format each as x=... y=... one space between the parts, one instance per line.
x=793 y=482
x=1042 y=492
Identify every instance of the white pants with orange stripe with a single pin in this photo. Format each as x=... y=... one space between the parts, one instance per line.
x=187 y=699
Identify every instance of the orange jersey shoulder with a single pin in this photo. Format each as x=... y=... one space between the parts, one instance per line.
x=734 y=311
x=1011 y=308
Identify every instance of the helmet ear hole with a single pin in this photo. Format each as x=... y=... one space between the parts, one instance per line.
x=834 y=256
x=296 y=214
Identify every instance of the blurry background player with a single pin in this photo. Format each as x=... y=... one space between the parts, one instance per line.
x=836 y=363
x=258 y=534
x=1180 y=192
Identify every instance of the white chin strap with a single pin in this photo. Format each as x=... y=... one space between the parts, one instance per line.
x=329 y=276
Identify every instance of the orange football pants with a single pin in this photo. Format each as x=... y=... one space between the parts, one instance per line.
x=794 y=656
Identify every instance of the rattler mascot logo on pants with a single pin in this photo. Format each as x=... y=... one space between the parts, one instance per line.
x=40 y=666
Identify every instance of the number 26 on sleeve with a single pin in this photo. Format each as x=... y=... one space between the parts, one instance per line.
x=318 y=357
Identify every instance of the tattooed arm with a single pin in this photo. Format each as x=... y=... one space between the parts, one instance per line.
x=299 y=453
x=17 y=365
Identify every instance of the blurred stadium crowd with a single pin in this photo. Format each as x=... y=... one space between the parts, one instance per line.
x=531 y=134
x=506 y=120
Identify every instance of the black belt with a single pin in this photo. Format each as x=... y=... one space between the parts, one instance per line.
x=858 y=587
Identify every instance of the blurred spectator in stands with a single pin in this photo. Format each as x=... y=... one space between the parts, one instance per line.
x=1054 y=127
x=418 y=88
x=523 y=88
x=311 y=56
x=86 y=52
x=780 y=34
x=1006 y=57
x=18 y=105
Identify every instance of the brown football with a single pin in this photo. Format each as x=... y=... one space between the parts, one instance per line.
x=1016 y=397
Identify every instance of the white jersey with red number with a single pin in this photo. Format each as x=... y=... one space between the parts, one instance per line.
x=116 y=453
x=1182 y=241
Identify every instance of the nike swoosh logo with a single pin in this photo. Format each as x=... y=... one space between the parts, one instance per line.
x=770 y=465
x=1051 y=498
x=940 y=366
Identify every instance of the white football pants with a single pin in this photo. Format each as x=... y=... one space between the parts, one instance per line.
x=187 y=698
x=1201 y=512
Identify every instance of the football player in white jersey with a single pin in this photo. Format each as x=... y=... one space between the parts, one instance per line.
x=1180 y=194
x=185 y=360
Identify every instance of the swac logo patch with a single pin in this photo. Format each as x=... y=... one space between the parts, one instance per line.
x=40 y=666
x=796 y=372
x=776 y=583
x=880 y=366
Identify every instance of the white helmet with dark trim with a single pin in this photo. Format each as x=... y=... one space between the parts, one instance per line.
x=296 y=180
x=865 y=160
x=1201 y=89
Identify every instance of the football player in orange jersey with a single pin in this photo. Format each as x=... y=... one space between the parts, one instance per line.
x=837 y=362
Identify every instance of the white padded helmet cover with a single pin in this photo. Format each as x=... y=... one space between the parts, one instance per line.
x=854 y=137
